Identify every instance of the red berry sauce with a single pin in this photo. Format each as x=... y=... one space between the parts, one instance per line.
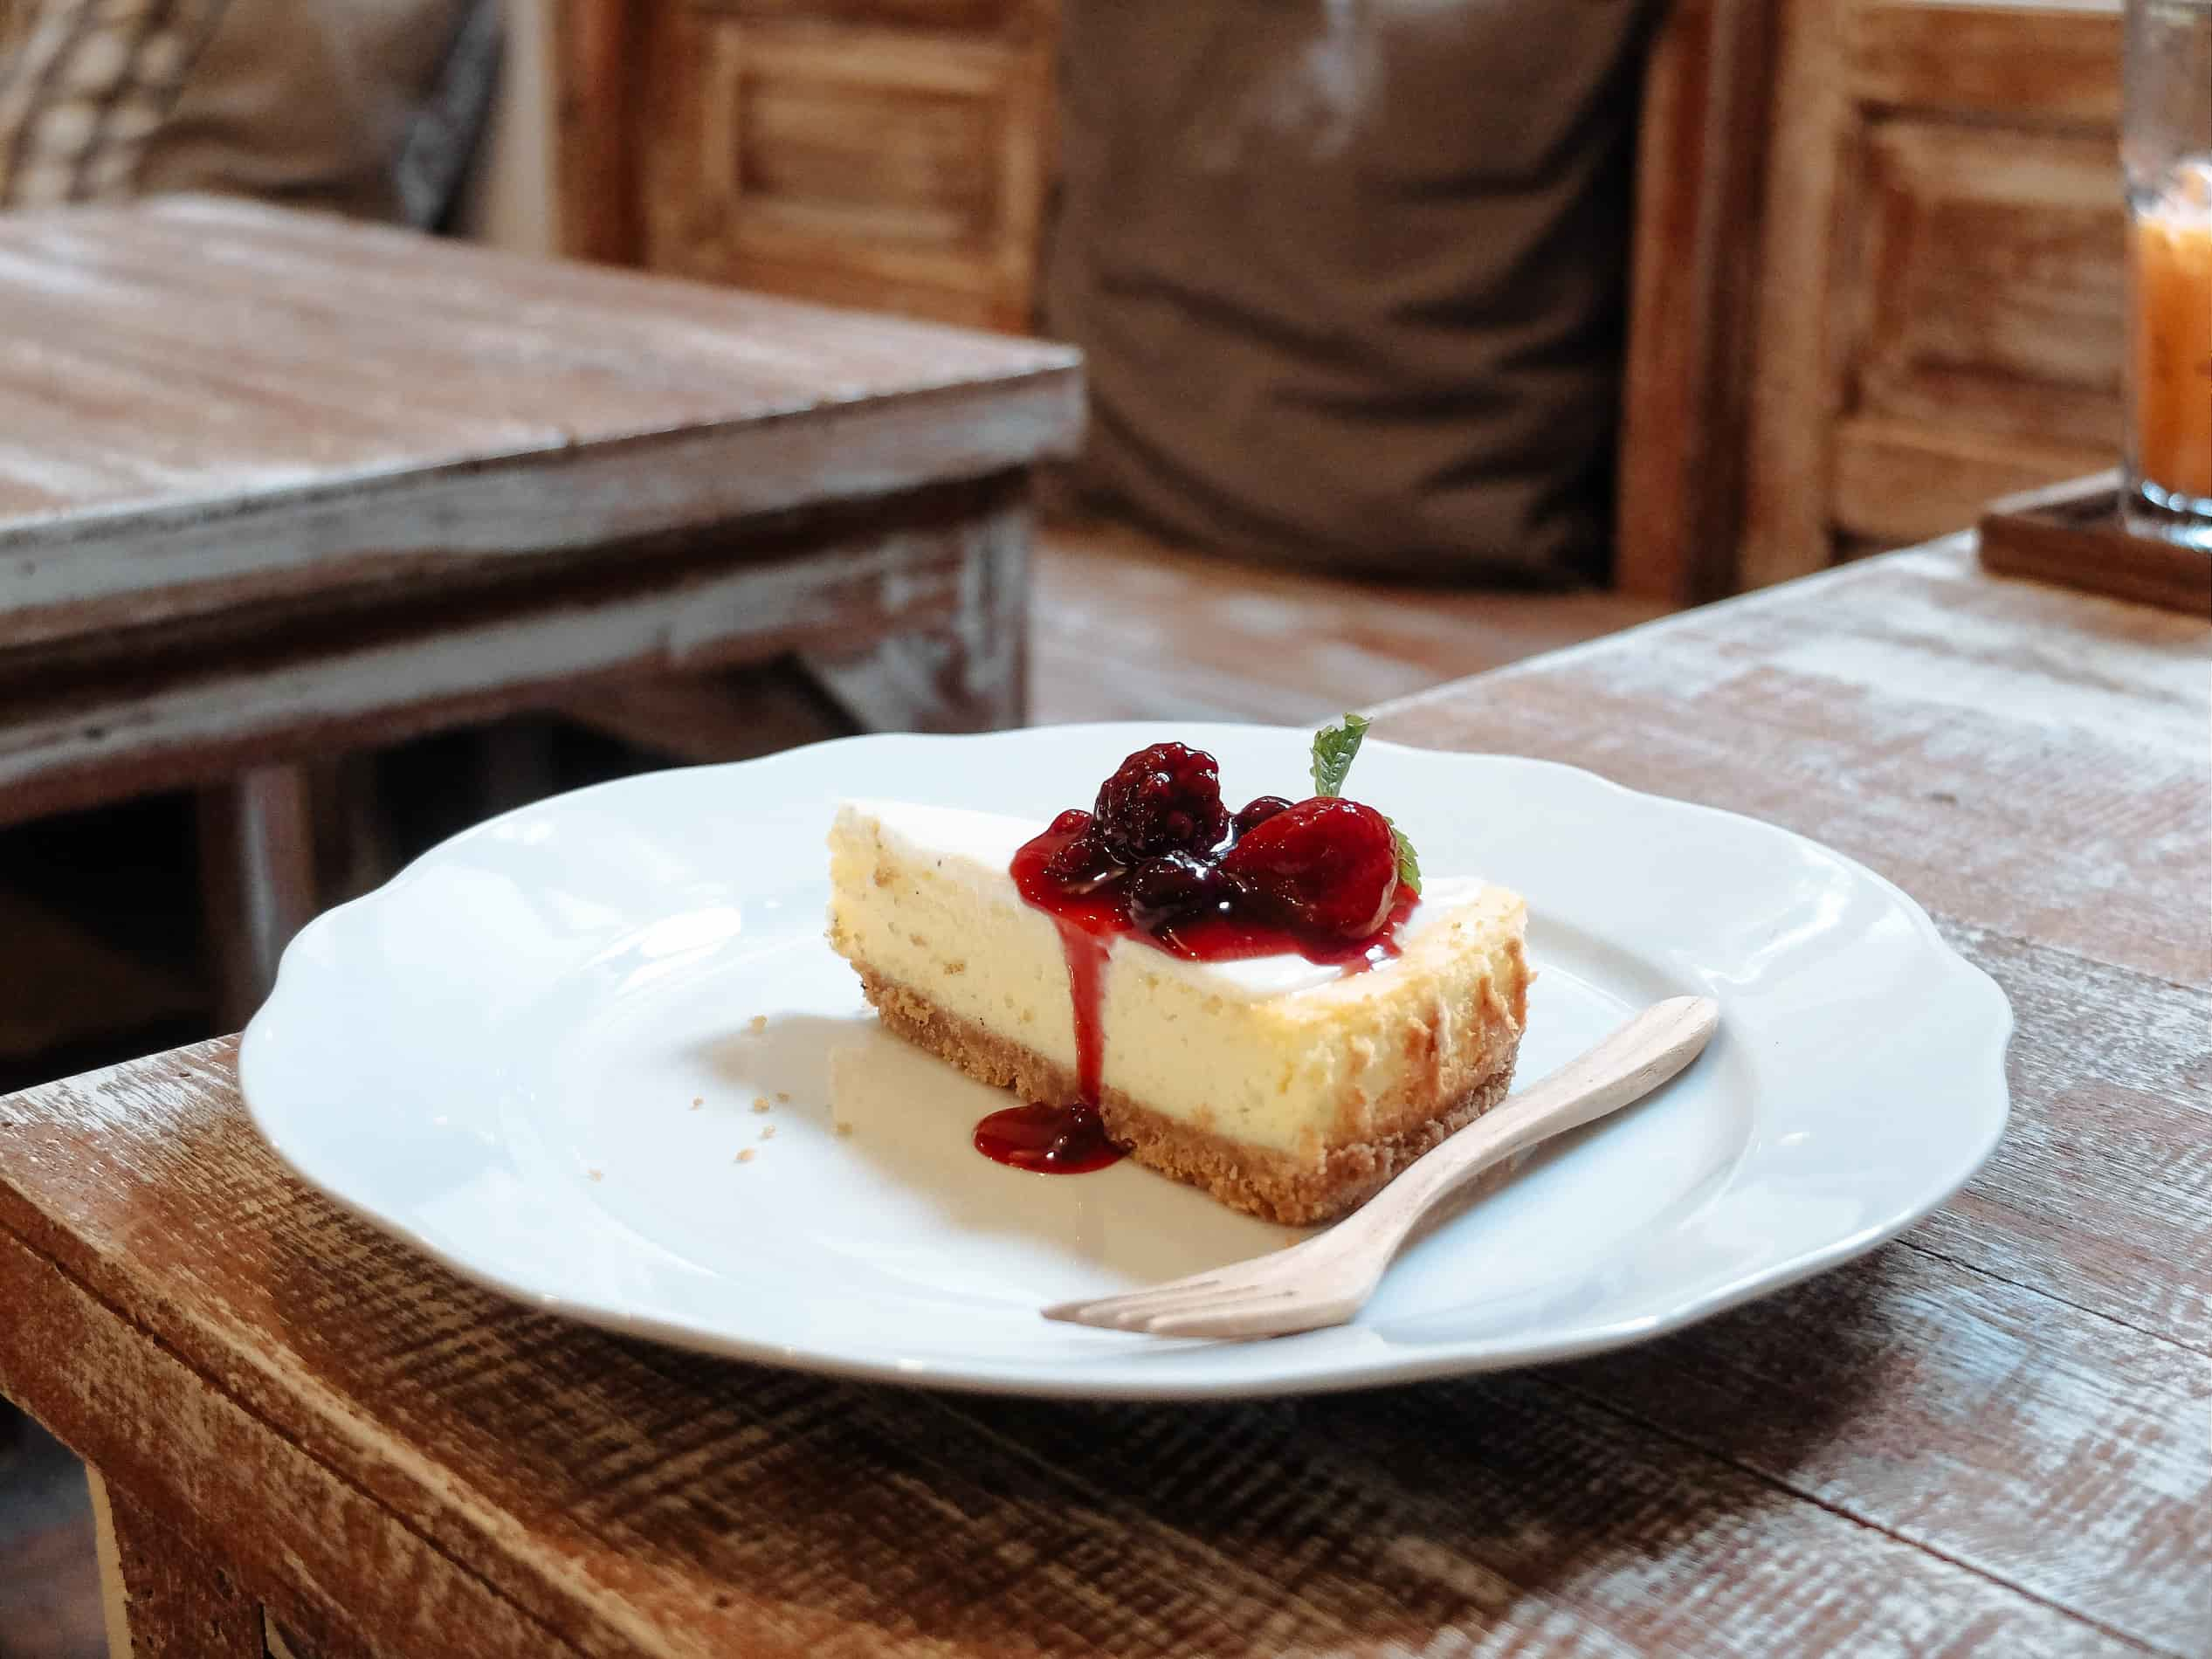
x=1052 y=1140
x=1070 y=872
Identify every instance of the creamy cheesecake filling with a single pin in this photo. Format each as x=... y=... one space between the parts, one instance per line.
x=1278 y=1052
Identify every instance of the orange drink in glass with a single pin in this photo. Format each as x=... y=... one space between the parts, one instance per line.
x=2166 y=157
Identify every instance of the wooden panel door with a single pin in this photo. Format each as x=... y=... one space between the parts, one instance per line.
x=1940 y=315
x=884 y=154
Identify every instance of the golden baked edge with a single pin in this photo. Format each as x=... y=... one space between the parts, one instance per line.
x=1275 y=1186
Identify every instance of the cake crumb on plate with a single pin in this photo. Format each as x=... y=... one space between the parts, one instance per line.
x=759 y=1022
x=744 y=1157
x=767 y=1132
x=596 y=1174
x=844 y=1129
x=784 y=1097
x=760 y=1102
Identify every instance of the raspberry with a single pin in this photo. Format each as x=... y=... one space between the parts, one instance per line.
x=1327 y=863
x=1175 y=885
x=1258 y=812
x=1163 y=799
x=1075 y=854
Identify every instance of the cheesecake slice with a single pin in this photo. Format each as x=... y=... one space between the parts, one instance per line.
x=1286 y=1086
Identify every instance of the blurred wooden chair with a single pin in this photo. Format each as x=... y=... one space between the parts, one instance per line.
x=1877 y=278
x=653 y=170
x=1701 y=153
x=1876 y=266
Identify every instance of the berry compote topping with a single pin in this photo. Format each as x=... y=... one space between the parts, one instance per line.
x=1257 y=812
x=1160 y=859
x=1163 y=799
x=1054 y=1140
x=1327 y=865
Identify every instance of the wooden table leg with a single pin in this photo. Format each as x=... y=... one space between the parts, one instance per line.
x=164 y=1600
x=969 y=673
x=256 y=879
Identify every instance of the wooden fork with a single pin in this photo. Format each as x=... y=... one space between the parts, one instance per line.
x=1328 y=1278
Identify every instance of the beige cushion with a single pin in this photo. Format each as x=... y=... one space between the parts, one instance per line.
x=1351 y=278
x=318 y=103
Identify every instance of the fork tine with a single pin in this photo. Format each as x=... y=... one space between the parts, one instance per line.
x=1151 y=1298
x=1132 y=1312
x=1093 y=1309
x=1145 y=1310
x=1199 y=1290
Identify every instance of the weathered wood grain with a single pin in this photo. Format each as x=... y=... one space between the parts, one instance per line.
x=234 y=403
x=1986 y=1437
x=1963 y=1412
x=272 y=484
x=687 y=1501
x=174 y=1602
x=2017 y=757
x=2100 y=1194
x=289 y=1533
x=972 y=674
x=939 y=572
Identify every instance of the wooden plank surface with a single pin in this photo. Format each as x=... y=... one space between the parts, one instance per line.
x=629 y=1495
x=1986 y=1437
x=2016 y=756
x=229 y=402
x=1126 y=627
x=83 y=728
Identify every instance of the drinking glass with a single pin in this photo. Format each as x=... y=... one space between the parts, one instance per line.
x=2165 y=155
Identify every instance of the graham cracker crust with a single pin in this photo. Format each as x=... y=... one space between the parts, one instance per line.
x=1260 y=1181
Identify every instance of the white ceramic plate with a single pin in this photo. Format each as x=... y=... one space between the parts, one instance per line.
x=533 y=1054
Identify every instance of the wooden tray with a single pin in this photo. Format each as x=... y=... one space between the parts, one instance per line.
x=2071 y=533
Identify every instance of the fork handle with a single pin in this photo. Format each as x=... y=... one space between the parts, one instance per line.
x=1626 y=1067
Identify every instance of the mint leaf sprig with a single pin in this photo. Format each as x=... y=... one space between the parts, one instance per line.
x=1408 y=863
x=1335 y=746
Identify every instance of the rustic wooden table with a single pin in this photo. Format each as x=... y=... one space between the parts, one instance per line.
x=272 y=484
x=1991 y=1436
